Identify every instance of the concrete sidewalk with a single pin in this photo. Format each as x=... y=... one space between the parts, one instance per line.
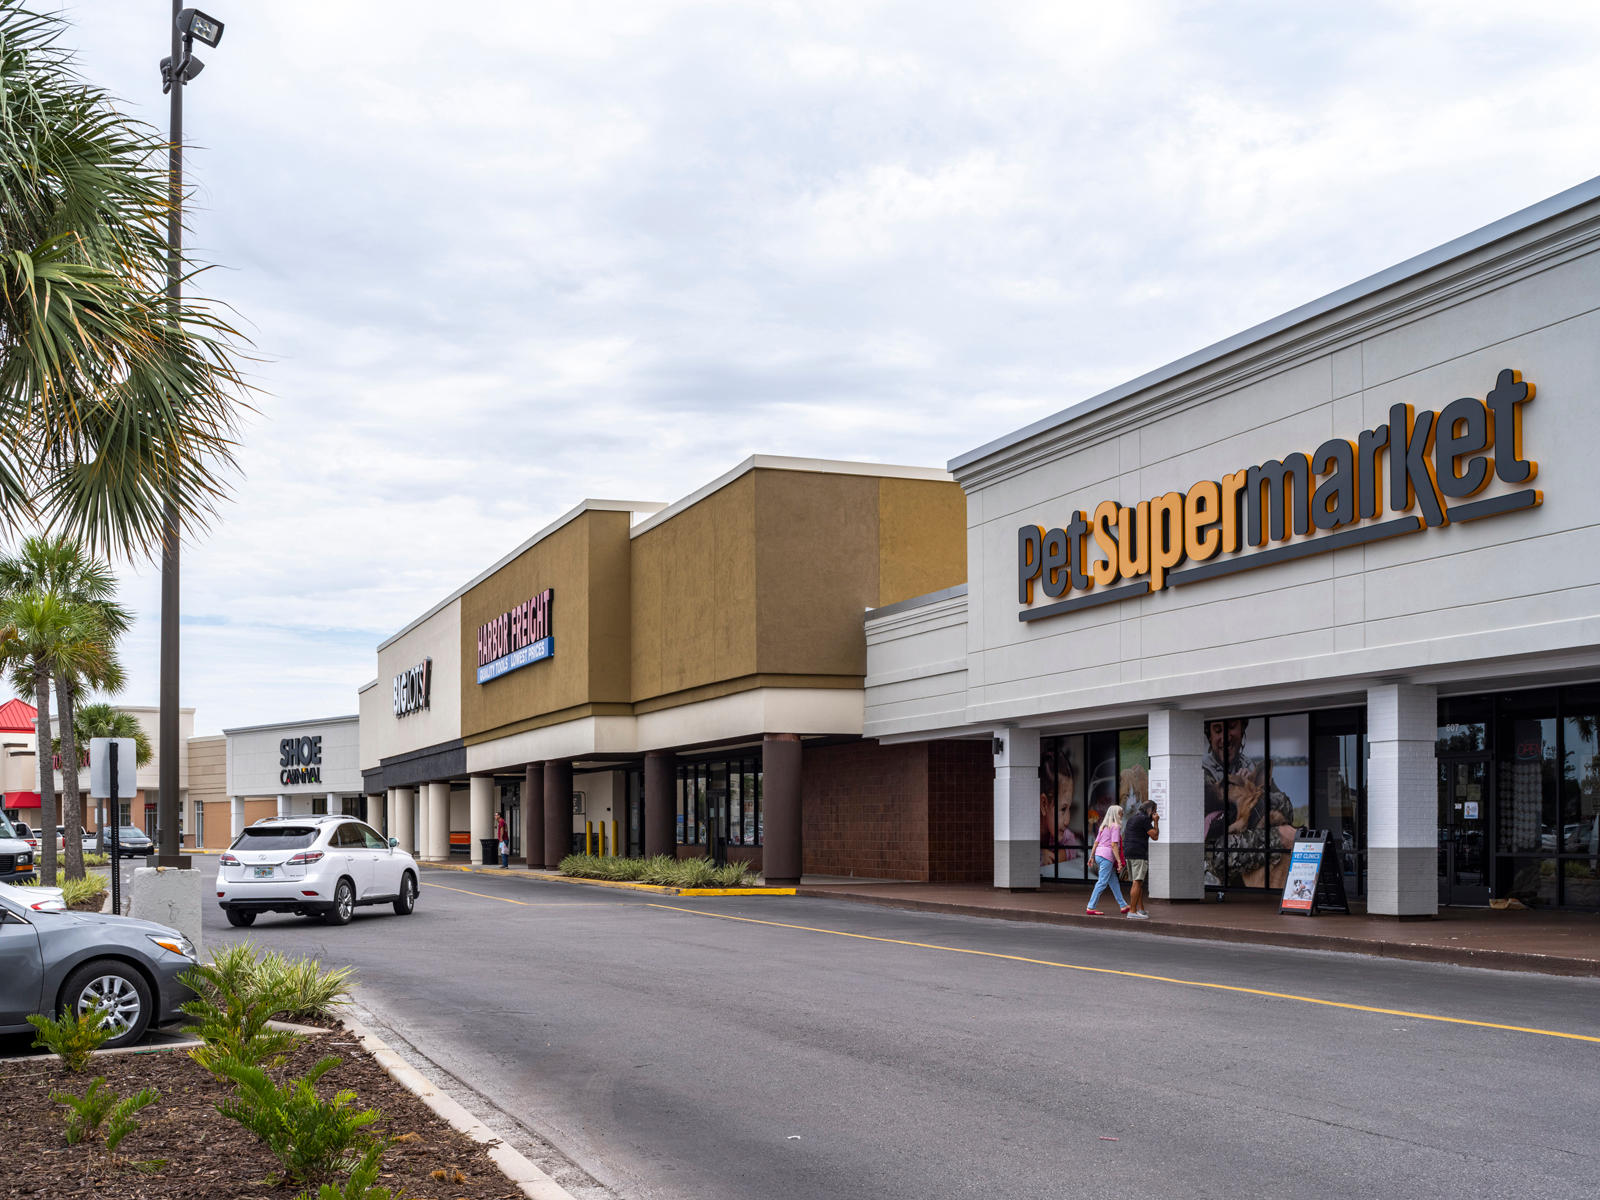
x=1554 y=943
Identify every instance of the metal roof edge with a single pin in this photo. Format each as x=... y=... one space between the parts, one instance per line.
x=291 y=724
x=899 y=606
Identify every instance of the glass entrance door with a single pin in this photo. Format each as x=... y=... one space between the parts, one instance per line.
x=1464 y=831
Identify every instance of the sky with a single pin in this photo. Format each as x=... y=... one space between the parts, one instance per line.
x=497 y=258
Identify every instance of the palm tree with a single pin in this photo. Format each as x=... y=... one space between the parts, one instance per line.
x=101 y=720
x=114 y=399
x=58 y=566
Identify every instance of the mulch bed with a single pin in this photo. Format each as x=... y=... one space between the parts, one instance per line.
x=209 y=1157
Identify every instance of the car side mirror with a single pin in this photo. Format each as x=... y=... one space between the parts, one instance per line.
x=393 y=842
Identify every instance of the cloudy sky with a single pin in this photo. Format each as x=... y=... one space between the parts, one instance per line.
x=500 y=256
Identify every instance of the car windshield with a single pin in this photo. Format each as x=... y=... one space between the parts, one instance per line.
x=276 y=837
x=5 y=827
x=130 y=831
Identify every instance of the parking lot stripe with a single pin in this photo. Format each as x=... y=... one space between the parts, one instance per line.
x=1193 y=983
x=523 y=903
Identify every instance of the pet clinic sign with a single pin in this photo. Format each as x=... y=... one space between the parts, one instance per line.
x=516 y=638
x=1418 y=471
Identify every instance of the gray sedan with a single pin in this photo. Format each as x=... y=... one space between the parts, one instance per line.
x=53 y=960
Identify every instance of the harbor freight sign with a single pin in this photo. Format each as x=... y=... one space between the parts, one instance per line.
x=1418 y=471
x=517 y=638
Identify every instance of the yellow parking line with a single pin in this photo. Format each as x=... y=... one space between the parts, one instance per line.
x=1194 y=983
x=523 y=903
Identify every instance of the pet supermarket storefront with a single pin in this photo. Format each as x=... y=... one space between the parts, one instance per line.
x=1336 y=571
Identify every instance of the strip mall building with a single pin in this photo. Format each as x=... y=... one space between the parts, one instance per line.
x=682 y=678
x=1339 y=570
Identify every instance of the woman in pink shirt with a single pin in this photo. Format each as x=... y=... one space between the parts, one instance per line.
x=1108 y=859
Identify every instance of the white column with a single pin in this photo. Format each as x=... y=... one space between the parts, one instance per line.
x=283 y=806
x=378 y=809
x=481 y=807
x=236 y=826
x=402 y=823
x=422 y=821
x=1016 y=809
x=439 y=821
x=1177 y=785
x=1402 y=801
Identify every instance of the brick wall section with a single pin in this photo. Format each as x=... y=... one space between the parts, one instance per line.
x=960 y=812
x=865 y=810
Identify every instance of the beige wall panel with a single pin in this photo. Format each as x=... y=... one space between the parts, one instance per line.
x=256 y=810
x=208 y=769
x=610 y=608
x=383 y=734
x=561 y=561
x=817 y=570
x=219 y=827
x=693 y=595
x=922 y=538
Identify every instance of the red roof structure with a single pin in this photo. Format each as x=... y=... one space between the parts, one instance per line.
x=17 y=716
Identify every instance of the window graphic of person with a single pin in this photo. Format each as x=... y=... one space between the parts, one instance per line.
x=1058 y=840
x=1245 y=814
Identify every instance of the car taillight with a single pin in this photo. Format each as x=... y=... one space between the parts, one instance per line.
x=229 y=860
x=306 y=857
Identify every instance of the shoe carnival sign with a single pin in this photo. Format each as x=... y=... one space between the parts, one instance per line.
x=413 y=688
x=300 y=760
x=1307 y=500
x=517 y=638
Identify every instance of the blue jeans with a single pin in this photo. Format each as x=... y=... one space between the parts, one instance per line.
x=1108 y=878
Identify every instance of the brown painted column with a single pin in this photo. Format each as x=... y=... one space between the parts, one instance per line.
x=557 y=812
x=781 y=855
x=660 y=802
x=533 y=814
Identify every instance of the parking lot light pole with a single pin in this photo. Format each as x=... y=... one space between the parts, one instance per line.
x=188 y=25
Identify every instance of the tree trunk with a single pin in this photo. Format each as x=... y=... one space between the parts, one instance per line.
x=72 y=803
x=47 y=782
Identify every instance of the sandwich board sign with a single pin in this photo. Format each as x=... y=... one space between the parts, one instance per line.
x=1315 y=882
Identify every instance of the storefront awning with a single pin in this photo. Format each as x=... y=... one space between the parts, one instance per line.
x=22 y=800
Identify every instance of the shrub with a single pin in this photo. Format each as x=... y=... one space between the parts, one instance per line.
x=305 y=988
x=96 y=860
x=73 y=1035
x=230 y=1015
x=360 y=1185
x=81 y=891
x=663 y=870
x=100 y=1105
x=310 y=1137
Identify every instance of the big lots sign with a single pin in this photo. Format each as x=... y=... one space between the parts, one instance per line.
x=516 y=638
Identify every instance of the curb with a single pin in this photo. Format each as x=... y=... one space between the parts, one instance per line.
x=534 y=1183
x=1494 y=960
x=654 y=888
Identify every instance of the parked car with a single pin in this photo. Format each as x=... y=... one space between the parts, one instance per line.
x=16 y=855
x=32 y=837
x=36 y=896
x=324 y=866
x=132 y=842
x=56 y=961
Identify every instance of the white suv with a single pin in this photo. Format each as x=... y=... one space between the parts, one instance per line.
x=313 y=865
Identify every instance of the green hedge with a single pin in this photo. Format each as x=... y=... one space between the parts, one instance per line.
x=663 y=870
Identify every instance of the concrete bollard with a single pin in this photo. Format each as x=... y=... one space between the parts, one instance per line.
x=169 y=896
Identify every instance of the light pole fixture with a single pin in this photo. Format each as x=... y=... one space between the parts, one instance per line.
x=189 y=25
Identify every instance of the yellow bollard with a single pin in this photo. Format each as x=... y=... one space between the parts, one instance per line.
x=588 y=837
x=614 y=851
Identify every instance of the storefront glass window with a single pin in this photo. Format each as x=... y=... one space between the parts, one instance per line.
x=1061 y=810
x=724 y=794
x=1338 y=759
x=1580 y=782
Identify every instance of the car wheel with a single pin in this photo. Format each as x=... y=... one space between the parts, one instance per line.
x=406 y=901
x=239 y=920
x=344 y=904
x=117 y=988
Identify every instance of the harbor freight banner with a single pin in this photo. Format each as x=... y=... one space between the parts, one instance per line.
x=531 y=653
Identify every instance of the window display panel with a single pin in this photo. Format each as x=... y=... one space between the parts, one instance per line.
x=1289 y=742
x=1241 y=804
x=1101 y=792
x=1133 y=769
x=1338 y=755
x=1061 y=809
x=1580 y=781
